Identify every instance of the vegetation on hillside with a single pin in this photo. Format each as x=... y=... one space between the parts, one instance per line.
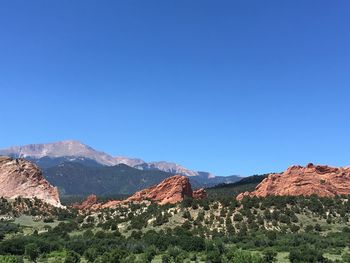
x=272 y=229
x=77 y=179
x=233 y=189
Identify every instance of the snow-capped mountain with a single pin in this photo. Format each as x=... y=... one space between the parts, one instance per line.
x=128 y=161
x=59 y=149
x=74 y=150
x=166 y=167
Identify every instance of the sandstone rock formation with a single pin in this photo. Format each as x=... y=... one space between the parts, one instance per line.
x=323 y=181
x=170 y=191
x=19 y=177
x=90 y=203
x=199 y=194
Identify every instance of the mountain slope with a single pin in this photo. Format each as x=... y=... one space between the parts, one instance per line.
x=167 y=167
x=76 y=150
x=232 y=189
x=77 y=179
x=58 y=149
x=53 y=158
x=48 y=162
x=207 y=181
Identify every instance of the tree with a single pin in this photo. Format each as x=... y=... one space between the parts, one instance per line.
x=72 y=257
x=305 y=254
x=91 y=254
x=187 y=202
x=150 y=253
x=269 y=255
x=174 y=251
x=129 y=259
x=116 y=255
x=10 y=259
x=272 y=235
x=187 y=225
x=136 y=234
x=309 y=228
x=346 y=257
x=214 y=256
x=318 y=228
x=32 y=251
x=187 y=215
x=238 y=217
x=166 y=258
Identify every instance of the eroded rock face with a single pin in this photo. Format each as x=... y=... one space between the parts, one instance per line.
x=88 y=203
x=19 y=177
x=199 y=194
x=170 y=191
x=321 y=180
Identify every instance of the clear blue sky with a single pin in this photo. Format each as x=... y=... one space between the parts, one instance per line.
x=231 y=87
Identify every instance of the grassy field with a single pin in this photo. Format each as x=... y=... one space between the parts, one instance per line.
x=30 y=225
x=282 y=257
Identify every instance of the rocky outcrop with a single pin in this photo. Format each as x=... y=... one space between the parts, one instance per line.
x=170 y=191
x=89 y=203
x=199 y=194
x=321 y=180
x=19 y=177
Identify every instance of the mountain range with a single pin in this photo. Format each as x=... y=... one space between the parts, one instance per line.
x=78 y=169
x=74 y=149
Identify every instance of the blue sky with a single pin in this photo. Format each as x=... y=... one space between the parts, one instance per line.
x=231 y=87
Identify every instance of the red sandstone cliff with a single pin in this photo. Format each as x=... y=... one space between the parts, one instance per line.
x=90 y=203
x=297 y=180
x=199 y=194
x=19 y=177
x=170 y=191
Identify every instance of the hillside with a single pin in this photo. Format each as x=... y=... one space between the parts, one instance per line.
x=166 y=223
x=76 y=179
x=75 y=150
x=232 y=189
x=254 y=230
x=54 y=158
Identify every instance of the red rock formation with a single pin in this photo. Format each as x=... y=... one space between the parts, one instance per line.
x=199 y=194
x=297 y=180
x=88 y=204
x=19 y=177
x=170 y=191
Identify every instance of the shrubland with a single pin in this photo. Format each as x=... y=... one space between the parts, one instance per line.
x=220 y=229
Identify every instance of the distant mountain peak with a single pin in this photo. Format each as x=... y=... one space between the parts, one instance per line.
x=169 y=167
x=77 y=149
x=59 y=149
x=128 y=161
